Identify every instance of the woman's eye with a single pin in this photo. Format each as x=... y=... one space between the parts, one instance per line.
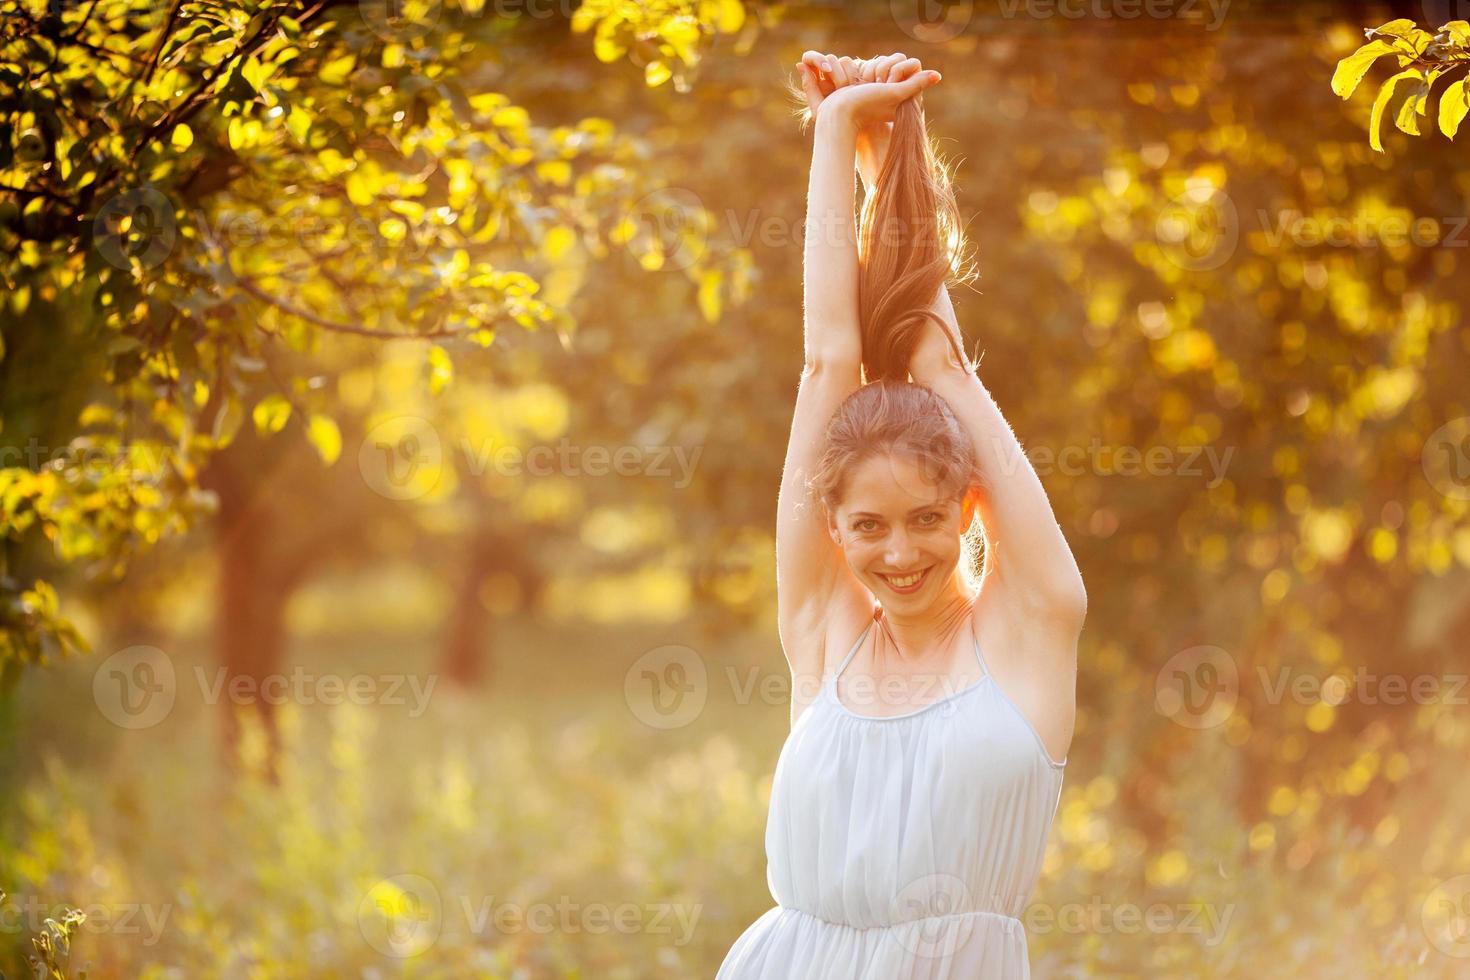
x=931 y=518
x=866 y=525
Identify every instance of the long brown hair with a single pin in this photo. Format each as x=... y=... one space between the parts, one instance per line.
x=910 y=243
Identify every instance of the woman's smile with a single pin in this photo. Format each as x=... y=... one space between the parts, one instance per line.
x=909 y=583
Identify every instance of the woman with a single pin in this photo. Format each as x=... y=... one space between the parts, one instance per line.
x=913 y=797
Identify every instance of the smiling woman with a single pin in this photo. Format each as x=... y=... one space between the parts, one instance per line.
x=904 y=840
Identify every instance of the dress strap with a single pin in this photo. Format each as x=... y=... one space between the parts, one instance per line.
x=853 y=652
x=978 y=655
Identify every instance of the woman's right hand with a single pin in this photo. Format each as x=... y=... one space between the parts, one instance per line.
x=872 y=105
x=822 y=74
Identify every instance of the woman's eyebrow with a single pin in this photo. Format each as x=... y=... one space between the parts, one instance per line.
x=864 y=513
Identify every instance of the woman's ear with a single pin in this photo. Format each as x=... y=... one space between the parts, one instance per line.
x=832 y=528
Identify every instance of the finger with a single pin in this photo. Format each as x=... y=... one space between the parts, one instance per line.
x=845 y=73
x=886 y=65
x=904 y=69
x=813 y=60
x=810 y=87
x=911 y=87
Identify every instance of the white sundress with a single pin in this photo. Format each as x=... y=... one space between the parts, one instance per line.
x=903 y=848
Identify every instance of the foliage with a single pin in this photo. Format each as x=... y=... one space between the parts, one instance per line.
x=227 y=196
x=1423 y=58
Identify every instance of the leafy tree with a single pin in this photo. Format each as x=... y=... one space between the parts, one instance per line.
x=206 y=205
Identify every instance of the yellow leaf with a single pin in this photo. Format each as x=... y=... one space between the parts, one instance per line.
x=1385 y=94
x=655 y=73
x=298 y=123
x=441 y=369
x=183 y=137
x=1458 y=30
x=1350 y=70
x=393 y=229
x=335 y=72
x=1452 y=107
x=1399 y=27
x=709 y=294
x=558 y=172
x=326 y=437
x=558 y=241
x=727 y=16
x=271 y=414
x=606 y=47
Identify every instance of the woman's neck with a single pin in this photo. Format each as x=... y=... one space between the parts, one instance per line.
x=927 y=633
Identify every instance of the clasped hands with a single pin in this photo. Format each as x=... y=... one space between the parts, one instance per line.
x=868 y=92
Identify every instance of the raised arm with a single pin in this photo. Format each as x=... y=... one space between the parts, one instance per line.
x=1025 y=545
x=809 y=565
x=1029 y=566
x=1025 y=549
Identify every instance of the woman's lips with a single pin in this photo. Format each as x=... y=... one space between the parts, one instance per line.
x=888 y=580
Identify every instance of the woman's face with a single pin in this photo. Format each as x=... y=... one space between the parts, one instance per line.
x=899 y=530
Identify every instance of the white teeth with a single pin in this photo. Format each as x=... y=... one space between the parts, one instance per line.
x=906 y=581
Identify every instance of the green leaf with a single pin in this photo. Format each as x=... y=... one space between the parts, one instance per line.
x=1452 y=107
x=271 y=414
x=1385 y=95
x=1350 y=70
x=323 y=433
